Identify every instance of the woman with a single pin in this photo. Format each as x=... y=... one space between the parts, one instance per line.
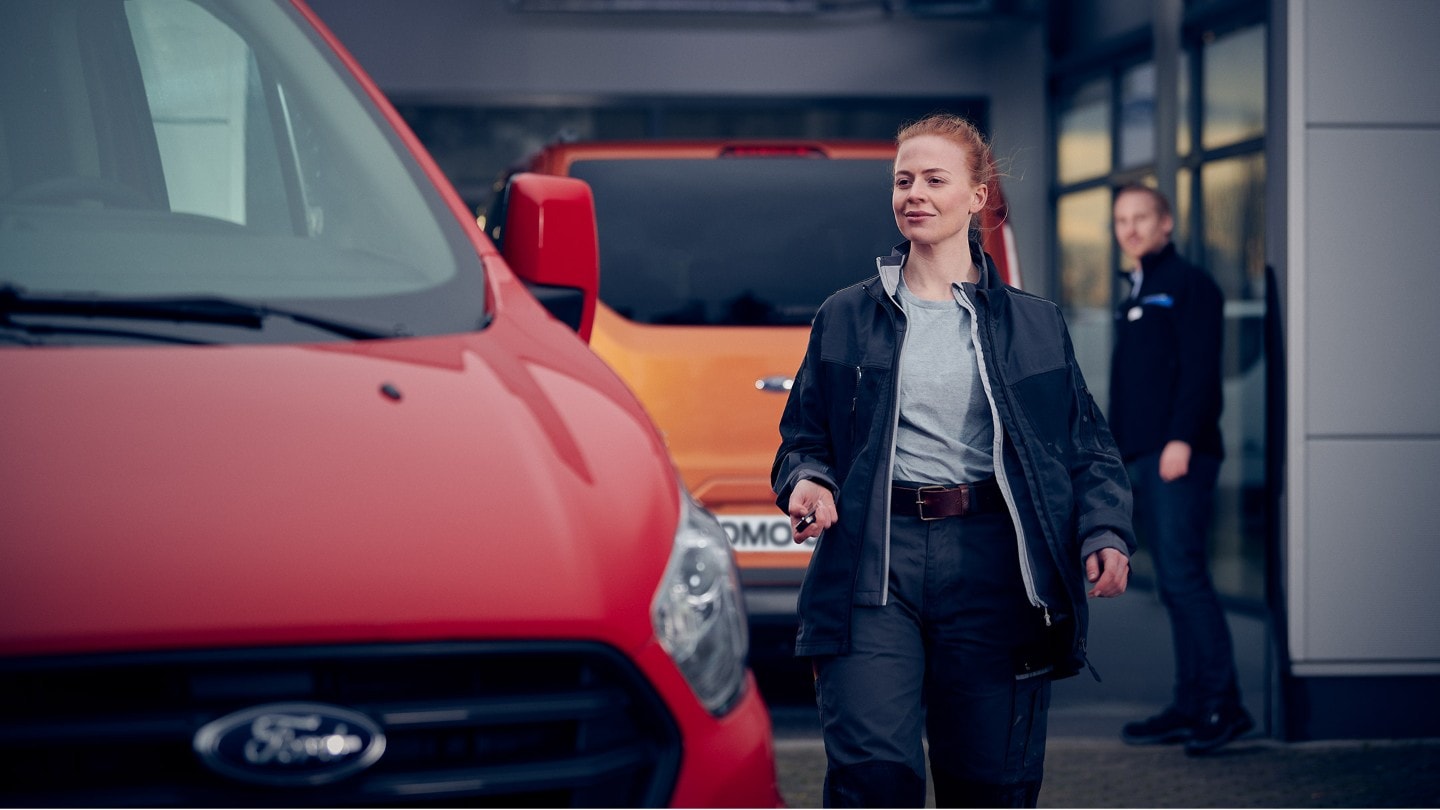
x=940 y=435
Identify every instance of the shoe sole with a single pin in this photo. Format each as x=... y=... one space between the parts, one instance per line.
x=1198 y=747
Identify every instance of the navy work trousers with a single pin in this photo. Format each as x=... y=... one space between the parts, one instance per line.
x=938 y=658
x=1172 y=520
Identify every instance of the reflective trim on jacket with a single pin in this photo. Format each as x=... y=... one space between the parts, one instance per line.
x=1066 y=480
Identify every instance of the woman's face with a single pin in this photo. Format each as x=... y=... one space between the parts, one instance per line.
x=934 y=196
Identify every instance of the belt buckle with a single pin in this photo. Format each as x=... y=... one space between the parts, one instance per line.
x=920 y=501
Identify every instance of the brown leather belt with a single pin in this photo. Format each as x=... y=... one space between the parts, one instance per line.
x=936 y=502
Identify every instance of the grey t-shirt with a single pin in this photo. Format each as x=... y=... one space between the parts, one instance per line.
x=945 y=434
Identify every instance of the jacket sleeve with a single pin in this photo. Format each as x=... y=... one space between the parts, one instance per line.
x=1100 y=483
x=806 y=450
x=1198 y=379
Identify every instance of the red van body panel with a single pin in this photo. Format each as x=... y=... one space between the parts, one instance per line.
x=200 y=506
x=285 y=480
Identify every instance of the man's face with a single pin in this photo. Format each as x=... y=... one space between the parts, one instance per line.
x=1139 y=226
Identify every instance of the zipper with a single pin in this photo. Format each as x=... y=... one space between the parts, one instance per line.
x=1027 y=575
x=854 y=406
x=900 y=335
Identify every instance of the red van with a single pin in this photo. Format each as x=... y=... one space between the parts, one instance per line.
x=307 y=499
x=714 y=257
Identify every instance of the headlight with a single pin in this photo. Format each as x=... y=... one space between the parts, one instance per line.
x=698 y=613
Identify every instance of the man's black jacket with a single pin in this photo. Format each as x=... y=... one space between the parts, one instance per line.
x=1165 y=371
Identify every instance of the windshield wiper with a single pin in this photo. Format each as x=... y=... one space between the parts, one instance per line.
x=26 y=329
x=223 y=311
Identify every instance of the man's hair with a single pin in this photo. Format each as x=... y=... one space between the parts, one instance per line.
x=1162 y=205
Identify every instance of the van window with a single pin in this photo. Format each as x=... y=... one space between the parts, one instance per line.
x=152 y=148
x=736 y=241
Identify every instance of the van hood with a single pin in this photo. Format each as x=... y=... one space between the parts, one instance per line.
x=462 y=487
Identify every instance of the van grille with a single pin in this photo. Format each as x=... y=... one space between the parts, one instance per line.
x=515 y=725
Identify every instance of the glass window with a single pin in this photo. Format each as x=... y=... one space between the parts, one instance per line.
x=1235 y=224
x=163 y=154
x=1234 y=191
x=198 y=89
x=1234 y=93
x=1183 y=190
x=671 y=256
x=1084 y=146
x=1137 y=115
x=1183 y=122
x=1086 y=242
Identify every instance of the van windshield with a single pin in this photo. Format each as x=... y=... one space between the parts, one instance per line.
x=212 y=150
x=736 y=241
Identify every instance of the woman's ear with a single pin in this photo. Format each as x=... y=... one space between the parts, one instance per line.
x=981 y=195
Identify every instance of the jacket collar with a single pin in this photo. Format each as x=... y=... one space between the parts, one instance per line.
x=890 y=266
x=1150 y=261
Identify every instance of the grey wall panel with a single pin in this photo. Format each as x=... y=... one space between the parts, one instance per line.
x=483 y=49
x=1373 y=62
x=1372 y=282
x=1371 y=554
x=1363 y=441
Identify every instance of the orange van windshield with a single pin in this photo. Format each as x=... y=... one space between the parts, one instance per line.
x=746 y=242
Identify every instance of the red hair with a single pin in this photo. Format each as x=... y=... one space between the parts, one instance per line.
x=978 y=157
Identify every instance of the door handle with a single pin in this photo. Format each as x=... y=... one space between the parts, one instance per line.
x=776 y=384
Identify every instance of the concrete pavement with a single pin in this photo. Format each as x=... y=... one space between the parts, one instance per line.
x=1087 y=765
x=1252 y=772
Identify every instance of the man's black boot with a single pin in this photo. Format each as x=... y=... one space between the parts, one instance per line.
x=1217 y=727
x=1169 y=726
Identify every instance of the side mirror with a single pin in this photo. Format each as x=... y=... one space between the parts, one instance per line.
x=550 y=241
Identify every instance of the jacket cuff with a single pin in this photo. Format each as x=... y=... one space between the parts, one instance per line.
x=1102 y=539
x=782 y=496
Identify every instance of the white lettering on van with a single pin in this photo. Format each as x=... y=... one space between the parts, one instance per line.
x=762 y=534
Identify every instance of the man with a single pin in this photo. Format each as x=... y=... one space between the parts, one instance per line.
x=1165 y=402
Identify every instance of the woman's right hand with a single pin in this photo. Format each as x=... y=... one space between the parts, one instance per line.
x=809 y=496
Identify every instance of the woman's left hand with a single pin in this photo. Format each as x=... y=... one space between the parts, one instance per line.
x=1109 y=570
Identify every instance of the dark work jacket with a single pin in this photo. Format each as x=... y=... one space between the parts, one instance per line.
x=1059 y=470
x=1165 y=372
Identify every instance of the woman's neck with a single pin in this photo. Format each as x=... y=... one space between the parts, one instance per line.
x=930 y=270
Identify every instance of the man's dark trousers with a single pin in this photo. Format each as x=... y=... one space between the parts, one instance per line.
x=1172 y=521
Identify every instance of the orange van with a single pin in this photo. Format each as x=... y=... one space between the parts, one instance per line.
x=714 y=257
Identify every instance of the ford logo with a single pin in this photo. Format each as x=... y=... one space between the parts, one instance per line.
x=290 y=744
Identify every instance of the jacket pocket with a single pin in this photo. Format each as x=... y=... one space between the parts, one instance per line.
x=1047 y=403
